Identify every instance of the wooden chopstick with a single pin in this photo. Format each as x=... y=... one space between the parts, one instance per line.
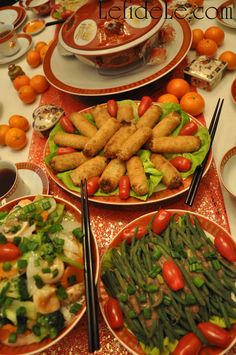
x=89 y=277
x=200 y=168
x=56 y=22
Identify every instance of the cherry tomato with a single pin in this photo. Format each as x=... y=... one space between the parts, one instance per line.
x=210 y=351
x=9 y=251
x=66 y=13
x=172 y=275
x=124 y=187
x=114 y=313
x=145 y=103
x=226 y=247
x=112 y=107
x=67 y=125
x=189 y=129
x=161 y=221
x=181 y=163
x=189 y=344
x=65 y=150
x=216 y=335
x=92 y=185
x=128 y=233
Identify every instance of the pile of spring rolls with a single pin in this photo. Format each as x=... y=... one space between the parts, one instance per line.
x=109 y=148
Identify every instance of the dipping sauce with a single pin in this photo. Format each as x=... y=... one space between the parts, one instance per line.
x=7 y=178
x=34 y=27
x=45 y=117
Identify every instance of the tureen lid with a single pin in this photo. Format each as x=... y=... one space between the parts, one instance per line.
x=114 y=24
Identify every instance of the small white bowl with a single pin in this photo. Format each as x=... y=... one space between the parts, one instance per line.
x=228 y=171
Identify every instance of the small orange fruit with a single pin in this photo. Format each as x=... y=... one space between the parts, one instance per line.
x=39 y=83
x=18 y=121
x=166 y=98
x=39 y=45
x=27 y=94
x=198 y=34
x=230 y=58
x=43 y=52
x=192 y=103
x=33 y=58
x=215 y=33
x=20 y=81
x=16 y=138
x=206 y=47
x=177 y=87
x=4 y=128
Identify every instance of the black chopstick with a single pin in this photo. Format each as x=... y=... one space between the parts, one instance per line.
x=51 y=23
x=200 y=168
x=89 y=278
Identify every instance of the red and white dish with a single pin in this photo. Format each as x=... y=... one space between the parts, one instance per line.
x=228 y=171
x=11 y=14
x=123 y=335
x=25 y=44
x=46 y=343
x=34 y=177
x=158 y=197
x=233 y=91
x=70 y=75
x=223 y=14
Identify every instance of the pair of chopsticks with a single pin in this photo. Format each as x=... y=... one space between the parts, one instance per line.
x=56 y=22
x=89 y=277
x=200 y=168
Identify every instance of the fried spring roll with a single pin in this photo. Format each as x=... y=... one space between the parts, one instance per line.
x=66 y=162
x=150 y=117
x=137 y=176
x=111 y=175
x=92 y=167
x=83 y=125
x=125 y=112
x=166 y=125
x=171 y=177
x=116 y=141
x=134 y=143
x=98 y=142
x=100 y=115
x=70 y=140
x=178 y=144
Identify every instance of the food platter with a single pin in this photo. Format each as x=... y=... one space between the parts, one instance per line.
x=74 y=216
x=162 y=196
x=70 y=75
x=122 y=333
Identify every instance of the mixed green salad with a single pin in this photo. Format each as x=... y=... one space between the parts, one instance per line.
x=154 y=176
x=170 y=285
x=41 y=271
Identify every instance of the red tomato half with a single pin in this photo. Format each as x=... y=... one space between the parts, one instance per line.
x=124 y=187
x=161 y=221
x=216 y=335
x=145 y=103
x=65 y=150
x=9 y=251
x=226 y=246
x=189 y=344
x=92 y=185
x=172 y=275
x=112 y=107
x=189 y=129
x=67 y=125
x=181 y=163
x=114 y=313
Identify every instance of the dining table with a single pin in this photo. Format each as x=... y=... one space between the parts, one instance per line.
x=212 y=200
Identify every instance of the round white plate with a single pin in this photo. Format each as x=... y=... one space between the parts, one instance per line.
x=25 y=43
x=21 y=19
x=34 y=178
x=223 y=14
x=10 y=14
x=70 y=75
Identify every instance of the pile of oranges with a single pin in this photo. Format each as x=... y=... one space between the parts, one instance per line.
x=179 y=91
x=13 y=134
x=208 y=42
x=29 y=88
x=36 y=56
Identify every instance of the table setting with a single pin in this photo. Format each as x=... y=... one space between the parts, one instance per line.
x=117 y=170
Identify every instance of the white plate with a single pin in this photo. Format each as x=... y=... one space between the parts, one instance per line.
x=10 y=14
x=25 y=43
x=70 y=75
x=34 y=178
x=224 y=11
